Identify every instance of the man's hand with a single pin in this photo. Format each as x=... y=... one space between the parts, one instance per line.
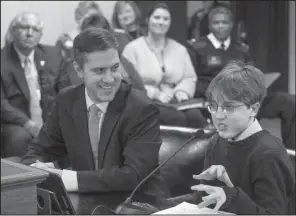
x=213 y=173
x=181 y=96
x=53 y=170
x=32 y=127
x=42 y=165
x=216 y=195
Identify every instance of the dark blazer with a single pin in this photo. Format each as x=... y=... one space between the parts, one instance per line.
x=129 y=141
x=15 y=96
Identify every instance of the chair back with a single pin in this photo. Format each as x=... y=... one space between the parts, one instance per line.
x=292 y=210
x=178 y=171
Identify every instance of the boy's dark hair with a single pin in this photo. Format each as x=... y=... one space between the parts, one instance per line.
x=239 y=81
x=90 y=40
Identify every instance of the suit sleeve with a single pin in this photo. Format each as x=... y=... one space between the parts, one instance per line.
x=10 y=114
x=273 y=184
x=49 y=145
x=140 y=156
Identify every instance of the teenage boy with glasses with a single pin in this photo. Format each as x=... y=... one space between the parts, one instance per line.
x=246 y=169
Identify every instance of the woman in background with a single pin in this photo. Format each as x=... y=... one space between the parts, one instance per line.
x=126 y=18
x=165 y=68
x=65 y=41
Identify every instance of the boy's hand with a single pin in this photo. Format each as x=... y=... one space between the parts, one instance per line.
x=216 y=195
x=213 y=173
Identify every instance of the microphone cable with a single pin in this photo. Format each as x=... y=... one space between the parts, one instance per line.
x=102 y=206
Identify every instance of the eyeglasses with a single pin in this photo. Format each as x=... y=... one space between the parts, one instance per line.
x=226 y=108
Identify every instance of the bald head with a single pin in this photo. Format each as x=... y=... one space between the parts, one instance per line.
x=26 y=31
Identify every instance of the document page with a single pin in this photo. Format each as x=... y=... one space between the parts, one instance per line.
x=188 y=208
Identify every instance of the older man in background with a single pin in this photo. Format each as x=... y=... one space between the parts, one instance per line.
x=30 y=81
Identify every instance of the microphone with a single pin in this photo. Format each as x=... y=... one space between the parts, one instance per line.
x=133 y=208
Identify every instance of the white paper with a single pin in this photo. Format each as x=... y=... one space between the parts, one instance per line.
x=188 y=208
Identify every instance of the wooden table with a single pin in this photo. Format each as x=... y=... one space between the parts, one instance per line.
x=86 y=203
x=18 y=188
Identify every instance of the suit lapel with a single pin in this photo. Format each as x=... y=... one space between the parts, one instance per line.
x=83 y=146
x=39 y=57
x=112 y=115
x=14 y=65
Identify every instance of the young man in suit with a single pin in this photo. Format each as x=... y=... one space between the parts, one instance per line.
x=211 y=53
x=30 y=81
x=109 y=131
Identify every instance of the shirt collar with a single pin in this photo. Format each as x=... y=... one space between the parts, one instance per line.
x=252 y=129
x=102 y=106
x=23 y=57
x=216 y=43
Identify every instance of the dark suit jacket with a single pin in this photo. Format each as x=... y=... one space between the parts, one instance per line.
x=15 y=96
x=129 y=141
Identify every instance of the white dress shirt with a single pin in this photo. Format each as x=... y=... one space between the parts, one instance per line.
x=216 y=43
x=69 y=177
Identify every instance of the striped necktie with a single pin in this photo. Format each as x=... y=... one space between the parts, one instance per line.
x=94 y=116
x=34 y=89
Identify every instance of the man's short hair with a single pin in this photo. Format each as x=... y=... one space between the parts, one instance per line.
x=17 y=20
x=239 y=81
x=14 y=24
x=219 y=8
x=91 y=40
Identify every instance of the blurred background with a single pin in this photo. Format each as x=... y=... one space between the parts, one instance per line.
x=270 y=28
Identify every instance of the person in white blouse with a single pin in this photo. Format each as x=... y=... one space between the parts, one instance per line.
x=164 y=66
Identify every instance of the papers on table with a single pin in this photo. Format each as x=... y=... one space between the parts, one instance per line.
x=188 y=208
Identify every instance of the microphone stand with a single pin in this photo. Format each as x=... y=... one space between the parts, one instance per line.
x=129 y=207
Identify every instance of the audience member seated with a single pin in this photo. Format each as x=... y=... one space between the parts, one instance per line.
x=30 y=81
x=246 y=169
x=126 y=18
x=211 y=53
x=128 y=71
x=202 y=16
x=125 y=150
x=65 y=41
x=97 y=20
x=165 y=68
